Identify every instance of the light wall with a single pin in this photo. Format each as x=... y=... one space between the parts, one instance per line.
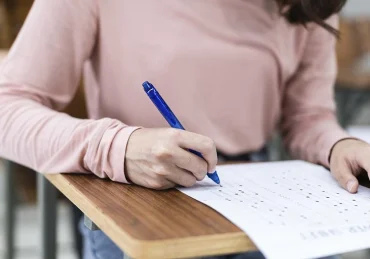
x=355 y=8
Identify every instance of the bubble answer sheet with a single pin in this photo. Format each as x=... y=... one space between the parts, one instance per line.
x=291 y=210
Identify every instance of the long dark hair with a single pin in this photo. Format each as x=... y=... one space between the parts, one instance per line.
x=305 y=11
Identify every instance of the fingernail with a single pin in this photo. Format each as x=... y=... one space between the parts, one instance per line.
x=351 y=185
x=212 y=171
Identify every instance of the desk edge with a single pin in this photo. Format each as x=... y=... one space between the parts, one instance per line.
x=137 y=248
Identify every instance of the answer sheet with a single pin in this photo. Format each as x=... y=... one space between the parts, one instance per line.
x=291 y=210
x=360 y=132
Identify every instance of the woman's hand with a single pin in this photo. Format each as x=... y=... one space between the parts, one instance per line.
x=158 y=158
x=348 y=159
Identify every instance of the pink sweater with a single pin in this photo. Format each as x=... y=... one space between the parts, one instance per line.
x=232 y=70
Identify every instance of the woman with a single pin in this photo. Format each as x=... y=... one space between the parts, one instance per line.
x=230 y=70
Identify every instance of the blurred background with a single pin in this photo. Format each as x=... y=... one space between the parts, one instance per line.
x=352 y=93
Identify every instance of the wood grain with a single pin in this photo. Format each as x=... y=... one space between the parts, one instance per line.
x=152 y=224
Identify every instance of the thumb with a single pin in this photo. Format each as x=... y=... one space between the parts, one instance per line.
x=352 y=185
x=345 y=178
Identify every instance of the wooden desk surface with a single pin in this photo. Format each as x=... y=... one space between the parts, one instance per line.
x=152 y=224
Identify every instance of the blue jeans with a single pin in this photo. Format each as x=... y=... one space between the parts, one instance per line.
x=96 y=245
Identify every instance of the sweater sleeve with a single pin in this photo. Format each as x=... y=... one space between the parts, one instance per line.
x=309 y=126
x=40 y=76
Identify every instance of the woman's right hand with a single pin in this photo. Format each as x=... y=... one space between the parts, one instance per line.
x=159 y=158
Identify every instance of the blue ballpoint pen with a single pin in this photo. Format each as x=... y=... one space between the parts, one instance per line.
x=171 y=118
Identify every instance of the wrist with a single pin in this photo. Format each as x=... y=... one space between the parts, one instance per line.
x=126 y=169
x=119 y=147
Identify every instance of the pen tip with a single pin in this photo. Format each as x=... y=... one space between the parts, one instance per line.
x=147 y=86
x=214 y=177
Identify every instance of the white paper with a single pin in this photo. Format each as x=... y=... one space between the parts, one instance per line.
x=291 y=210
x=360 y=132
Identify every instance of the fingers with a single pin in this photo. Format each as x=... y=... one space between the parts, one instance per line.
x=165 y=184
x=191 y=163
x=167 y=176
x=204 y=145
x=181 y=177
x=343 y=174
x=363 y=160
x=169 y=162
x=156 y=183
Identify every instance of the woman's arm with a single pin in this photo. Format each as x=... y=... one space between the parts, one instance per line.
x=309 y=122
x=40 y=75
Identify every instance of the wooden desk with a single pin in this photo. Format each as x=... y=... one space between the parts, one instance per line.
x=152 y=224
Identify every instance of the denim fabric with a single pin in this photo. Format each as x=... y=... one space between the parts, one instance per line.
x=96 y=245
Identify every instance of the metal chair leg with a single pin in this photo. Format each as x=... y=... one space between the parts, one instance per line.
x=10 y=206
x=89 y=224
x=47 y=202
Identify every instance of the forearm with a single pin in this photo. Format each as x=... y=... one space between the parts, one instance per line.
x=52 y=142
x=312 y=137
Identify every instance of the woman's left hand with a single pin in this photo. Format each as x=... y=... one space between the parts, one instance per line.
x=349 y=158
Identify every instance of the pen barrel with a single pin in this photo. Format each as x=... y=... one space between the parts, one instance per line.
x=196 y=153
x=164 y=109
